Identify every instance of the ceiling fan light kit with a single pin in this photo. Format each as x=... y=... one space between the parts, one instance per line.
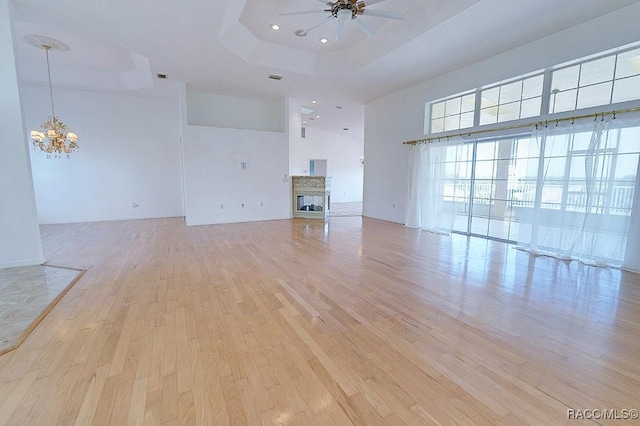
x=344 y=11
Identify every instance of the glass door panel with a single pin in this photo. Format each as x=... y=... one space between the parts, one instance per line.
x=457 y=186
x=504 y=187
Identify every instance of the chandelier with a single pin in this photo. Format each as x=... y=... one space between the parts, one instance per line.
x=56 y=138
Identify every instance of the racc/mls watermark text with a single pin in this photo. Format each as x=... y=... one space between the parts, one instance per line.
x=602 y=414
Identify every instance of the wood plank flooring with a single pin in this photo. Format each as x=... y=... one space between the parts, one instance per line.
x=356 y=321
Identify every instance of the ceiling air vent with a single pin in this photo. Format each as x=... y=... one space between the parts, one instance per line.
x=275 y=77
x=162 y=76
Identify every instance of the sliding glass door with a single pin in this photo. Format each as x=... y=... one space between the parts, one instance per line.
x=557 y=190
x=493 y=189
x=568 y=192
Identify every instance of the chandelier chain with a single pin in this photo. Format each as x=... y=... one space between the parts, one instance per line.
x=53 y=110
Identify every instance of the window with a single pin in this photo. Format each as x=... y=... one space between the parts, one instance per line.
x=454 y=113
x=626 y=86
x=610 y=79
x=583 y=85
x=597 y=81
x=611 y=169
x=565 y=191
x=512 y=101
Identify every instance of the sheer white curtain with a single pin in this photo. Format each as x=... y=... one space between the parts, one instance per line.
x=587 y=191
x=435 y=170
x=632 y=255
x=413 y=216
x=585 y=194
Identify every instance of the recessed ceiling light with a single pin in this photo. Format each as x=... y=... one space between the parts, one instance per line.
x=300 y=33
x=317 y=116
x=275 y=27
x=324 y=40
x=304 y=122
x=313 y=101
x=345 y=128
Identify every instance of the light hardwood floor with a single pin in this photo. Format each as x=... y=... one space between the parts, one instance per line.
x=357 y=321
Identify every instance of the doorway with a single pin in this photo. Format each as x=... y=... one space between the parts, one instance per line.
x=317 y=167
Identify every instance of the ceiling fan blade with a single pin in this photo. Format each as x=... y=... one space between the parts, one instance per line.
x=370 y=2
x=339 y=29
x=318 y=24
x=303 y=12
x=363 y=26
x=383 y=14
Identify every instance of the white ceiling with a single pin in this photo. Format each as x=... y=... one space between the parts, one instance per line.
x=227 y=46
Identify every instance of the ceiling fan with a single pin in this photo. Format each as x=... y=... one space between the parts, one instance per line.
x=345 y=11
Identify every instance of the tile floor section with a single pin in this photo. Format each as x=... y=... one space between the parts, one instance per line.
x=26 y=294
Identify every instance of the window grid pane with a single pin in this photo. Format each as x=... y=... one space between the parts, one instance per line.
x=532 y=87
x=628 y=64
x=531 y=107
x=437 y=110
x=595 y=95
x=626 y=89
x=597 y=71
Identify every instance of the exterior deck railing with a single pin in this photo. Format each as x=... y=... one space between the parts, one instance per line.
x=616 y=200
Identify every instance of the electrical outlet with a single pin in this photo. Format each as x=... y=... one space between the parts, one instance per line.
x=394 y=205
x=243 y=205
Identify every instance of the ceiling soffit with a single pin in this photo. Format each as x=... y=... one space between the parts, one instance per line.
x=90 y=63
x=239 y=40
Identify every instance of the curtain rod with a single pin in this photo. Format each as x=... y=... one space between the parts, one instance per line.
x=520 y=126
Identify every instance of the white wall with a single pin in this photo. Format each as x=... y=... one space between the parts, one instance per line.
x=343 y=161
x=19 y=232
x=129 y=153
x=216 y=187
x=204 y=109
x=399 y=117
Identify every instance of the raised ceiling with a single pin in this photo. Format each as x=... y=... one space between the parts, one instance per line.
x=227 y=46
x=258 y=15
